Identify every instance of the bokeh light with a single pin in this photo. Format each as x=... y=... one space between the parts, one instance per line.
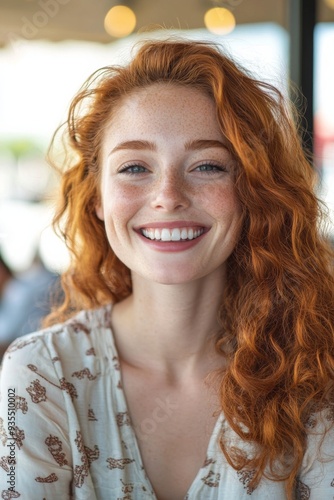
x=219 y=21
x=330 y=3
x=120 y=21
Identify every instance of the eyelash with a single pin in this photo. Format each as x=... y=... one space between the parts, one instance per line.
x=140 y=169
x=214 y=167
x=126 y=169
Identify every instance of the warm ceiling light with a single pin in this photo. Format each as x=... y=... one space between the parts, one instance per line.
x=120 y=21
x=330 y=3
x=219 y=21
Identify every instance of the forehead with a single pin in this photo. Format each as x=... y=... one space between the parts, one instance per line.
x=168 y=90
x=164 y=108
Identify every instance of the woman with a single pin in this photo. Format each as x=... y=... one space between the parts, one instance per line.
x=188 y=205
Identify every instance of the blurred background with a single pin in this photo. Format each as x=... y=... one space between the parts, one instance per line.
x=49 y=47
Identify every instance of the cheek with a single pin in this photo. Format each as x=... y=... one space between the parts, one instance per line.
x=121 y=202
x=221 y=201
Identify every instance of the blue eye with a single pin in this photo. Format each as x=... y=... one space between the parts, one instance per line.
x=133 y=169
x=210 y=168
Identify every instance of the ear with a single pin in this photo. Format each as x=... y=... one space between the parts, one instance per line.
x=99 y=211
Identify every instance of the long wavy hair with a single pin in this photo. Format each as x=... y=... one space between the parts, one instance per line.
x=277 y=315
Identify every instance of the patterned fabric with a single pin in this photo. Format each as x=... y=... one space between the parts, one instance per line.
x=65 y=430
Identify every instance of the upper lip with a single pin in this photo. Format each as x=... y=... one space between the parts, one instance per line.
x=171 y=225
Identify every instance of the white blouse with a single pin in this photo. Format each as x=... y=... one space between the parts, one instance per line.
x=65 y=430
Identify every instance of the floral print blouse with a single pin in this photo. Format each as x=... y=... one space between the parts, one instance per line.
x=65 y=430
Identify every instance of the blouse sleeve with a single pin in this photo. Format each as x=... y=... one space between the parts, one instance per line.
x=35 y=456
x=316 y=480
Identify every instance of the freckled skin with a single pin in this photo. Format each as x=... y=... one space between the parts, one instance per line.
x=171 y=188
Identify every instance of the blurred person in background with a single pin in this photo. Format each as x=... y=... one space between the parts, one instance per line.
x=25 y=299
x=193 y=355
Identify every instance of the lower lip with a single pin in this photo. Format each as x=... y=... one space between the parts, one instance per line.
x=172 y=246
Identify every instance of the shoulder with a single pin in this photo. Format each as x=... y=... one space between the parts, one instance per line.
x=317 y=470
x=76 y=336
x=320 y=432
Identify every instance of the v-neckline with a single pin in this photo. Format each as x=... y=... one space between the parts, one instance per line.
x=135 y=449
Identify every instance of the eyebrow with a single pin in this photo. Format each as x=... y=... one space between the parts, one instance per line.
x=204 y=144
x=137 y=145
x=189 y=146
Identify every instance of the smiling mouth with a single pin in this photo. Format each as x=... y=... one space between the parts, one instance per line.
x=175 y=234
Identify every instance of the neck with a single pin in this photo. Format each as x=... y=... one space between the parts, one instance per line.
x=170 y=329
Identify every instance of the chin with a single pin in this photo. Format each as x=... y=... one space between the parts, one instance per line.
x=166 y=275
x=172 y=276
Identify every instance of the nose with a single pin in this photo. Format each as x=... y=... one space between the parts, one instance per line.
x=170 y=193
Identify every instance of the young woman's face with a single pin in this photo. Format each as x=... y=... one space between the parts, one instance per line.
x=167 y=186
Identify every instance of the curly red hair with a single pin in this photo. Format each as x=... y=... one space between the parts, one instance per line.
x=277 y=316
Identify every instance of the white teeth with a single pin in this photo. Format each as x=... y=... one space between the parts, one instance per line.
x=149 y=233
x=165 y=235
x=176 y=234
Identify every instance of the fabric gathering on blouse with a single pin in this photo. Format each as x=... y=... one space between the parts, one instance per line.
x=65 y=429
